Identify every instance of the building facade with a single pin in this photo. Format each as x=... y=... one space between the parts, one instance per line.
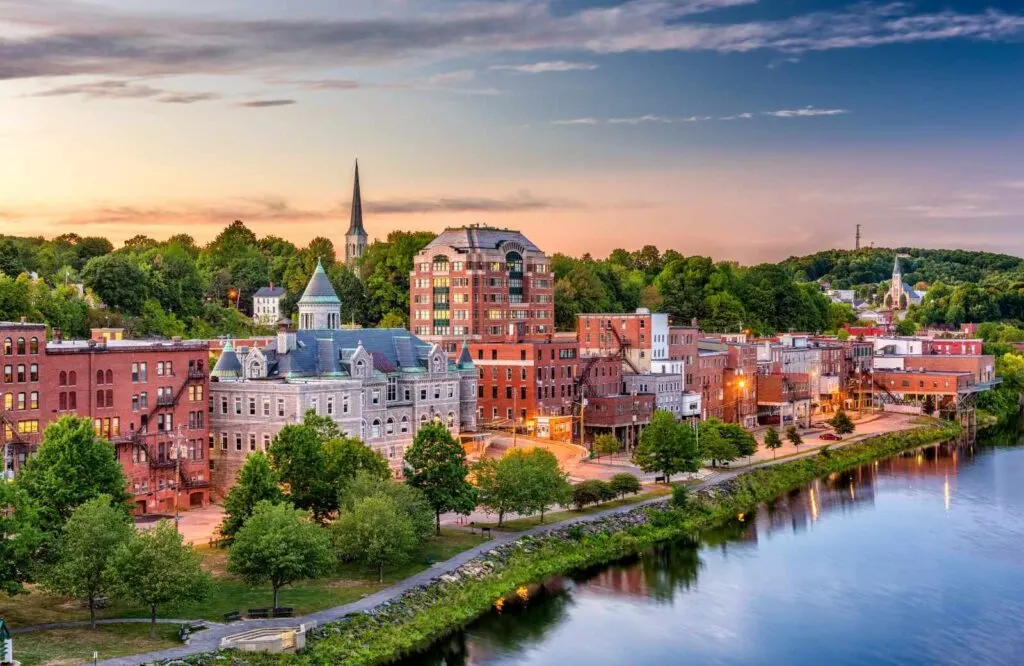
x=379 y=385
x=641 y=337
x=480 y=283
x=266 y=305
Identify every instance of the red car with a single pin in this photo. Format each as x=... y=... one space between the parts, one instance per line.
x=831 y=437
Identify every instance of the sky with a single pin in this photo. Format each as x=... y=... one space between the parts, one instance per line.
x=747 y=130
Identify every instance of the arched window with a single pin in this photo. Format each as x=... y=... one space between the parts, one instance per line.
x=405 y=424
x=389 y=426
x=375 y=429
x=109 y=377
x=63 y=378
x=440 y=263
x=8 y=346
x=33 y=346
x=8 y=401
x=99 y=376
x=72 y=378
x=360 y=364
x=21 y=345
x=99 y=398
x=423 y=419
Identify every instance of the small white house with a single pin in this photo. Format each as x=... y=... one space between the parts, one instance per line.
x=266 y=305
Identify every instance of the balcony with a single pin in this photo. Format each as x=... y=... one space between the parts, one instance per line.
x=195 y=483
x=156 y=463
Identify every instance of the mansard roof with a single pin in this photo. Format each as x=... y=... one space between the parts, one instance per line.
x=480 y=238
x=319 y=290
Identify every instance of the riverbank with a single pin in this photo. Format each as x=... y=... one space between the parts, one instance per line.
x=428 y=612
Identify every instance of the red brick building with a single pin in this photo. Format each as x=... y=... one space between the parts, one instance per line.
x=522 y=379
x=783 y=399
x=641 y=337
x=150 y=399
x=710 y=377
x=956 y=346
x=682 y=346
x=477 y=283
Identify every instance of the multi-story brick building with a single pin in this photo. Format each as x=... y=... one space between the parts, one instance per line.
x=475 y=283
x=783 y=398
x=682 y=346
x=149 y=398
x=379 y=385
x=520 y=380
x=642 y=337
x=710 y=377
x=982 y=367
x=739 y=385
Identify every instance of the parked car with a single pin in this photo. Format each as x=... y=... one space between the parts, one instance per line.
x=830 y=436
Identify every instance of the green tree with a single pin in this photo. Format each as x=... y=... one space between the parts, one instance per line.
x=715 y=447
x=20 y=538
x=744 y=443
x=93 y=533
x=280 y=545
x=501 y=485
x=666 y=447
x=842 y=423
x=546 y=483
x=118 y=281
x=606 y=445
x=793 y=435
x=300 y=459
x=411 y=501
x=347 y=457
x=72 y=466
x=772 y=441
x=587 y=492
x=257 y=482
x=680 y=496
x=625 y=484
x=376 y=533
x=153 y=567
x=436 y=464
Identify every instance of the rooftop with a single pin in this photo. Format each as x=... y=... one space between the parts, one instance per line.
x=319 y=289
x=264 y=292
x=67 y=346
x=479 y=237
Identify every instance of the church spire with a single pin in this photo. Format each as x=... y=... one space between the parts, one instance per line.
x=896 y=266
x=356 y=224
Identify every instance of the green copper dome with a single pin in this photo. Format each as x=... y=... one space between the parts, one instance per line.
x=319 y=290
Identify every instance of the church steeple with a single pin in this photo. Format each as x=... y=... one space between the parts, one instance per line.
x=896 y=272
x=355 y=237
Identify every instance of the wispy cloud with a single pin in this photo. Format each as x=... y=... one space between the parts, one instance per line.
x=1011 y=184
x=546 y=67
x=952 y=211
x=117 y=89
x=523 y=201
x=265 y=103
x=806 y=112
x=54 y=39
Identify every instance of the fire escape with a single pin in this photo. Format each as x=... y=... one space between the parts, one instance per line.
x=12 y=439
x=582 y=385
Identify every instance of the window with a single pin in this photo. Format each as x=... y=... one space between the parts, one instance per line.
x=266 y=407
x=423 y=393
x=72 y=400
x=451 y=390
x=392 y=389
x=62 y=401
x=375 y=397
x=21 y=374
x=252 y=406
x=238 y=405
x=330 y=404
x=100 y=399
x=252 y=441
x=33 y=346
x=404 y=427
x=160 y=369
x=223 y=404
x=314 y=404
x=451 y=419
x=135 y=372
x=8 y=346
x=33 y=373
x=9 y=373
x=143 y=374
x=224 y=441
x=437 y=391
x=21 y=345
x=375 y=429
x=389 y=427
x=266 y=441
x=344 y=404
x=238 y=441
x=280 y=406
x=109 y=377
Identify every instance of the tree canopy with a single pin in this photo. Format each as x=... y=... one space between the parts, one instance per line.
x=436 y=464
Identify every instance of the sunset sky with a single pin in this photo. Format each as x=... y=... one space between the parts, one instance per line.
x=743 y=129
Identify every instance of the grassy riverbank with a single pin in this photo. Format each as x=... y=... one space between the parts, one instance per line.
x=424 y=615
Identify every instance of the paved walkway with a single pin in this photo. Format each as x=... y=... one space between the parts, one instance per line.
x=209 y=640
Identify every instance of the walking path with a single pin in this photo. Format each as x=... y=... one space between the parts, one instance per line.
x=209 y=639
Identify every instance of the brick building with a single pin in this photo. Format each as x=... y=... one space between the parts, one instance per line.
x=521 y=380
x=739 y=384
x=682 y=346
x=475 y=283
x=982 y=367
x=641 y=337
x=149 y=398
x=783 y=398
x=710 y=377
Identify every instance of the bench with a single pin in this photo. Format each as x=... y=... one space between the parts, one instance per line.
x=197 y=626
x=258 y=613
x=233 y=616
x=659 y=479
x=282 y=612
x=183 y=633
x=486 y=530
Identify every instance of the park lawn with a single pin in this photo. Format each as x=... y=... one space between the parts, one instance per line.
x=521 y=524
x=349 y=583
x=75 y=646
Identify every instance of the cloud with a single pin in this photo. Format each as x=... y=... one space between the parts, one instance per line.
x=806 y=112
x=116 y=89
x=523 y=201
x=1012 y=184
x=545 y=67
x=266 y=103
x=952 y=211
x=45 y=38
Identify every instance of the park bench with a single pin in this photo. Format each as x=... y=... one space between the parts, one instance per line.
x=258 y=613
x=233 y=616
x=486 y=531
x=659 y=479
x=282 y=612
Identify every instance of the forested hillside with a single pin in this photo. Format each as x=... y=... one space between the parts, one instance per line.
x=176 y=287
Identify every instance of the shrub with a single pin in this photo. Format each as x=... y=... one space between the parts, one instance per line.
x=585 y=493
x=680 y=496
x=606 y=491
x=575 y=532
x=625 y=484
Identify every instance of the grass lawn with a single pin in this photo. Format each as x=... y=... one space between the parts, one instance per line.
x=75 y=646
x=520 y=524
x=348 y=584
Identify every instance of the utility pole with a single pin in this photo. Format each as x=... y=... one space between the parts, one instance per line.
x=178 y=454
x=583 y=407
x=857 y=246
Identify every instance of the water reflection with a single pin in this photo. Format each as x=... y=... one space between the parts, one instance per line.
x=858 y=551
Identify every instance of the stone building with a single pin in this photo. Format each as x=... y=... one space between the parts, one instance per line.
x=379 y=385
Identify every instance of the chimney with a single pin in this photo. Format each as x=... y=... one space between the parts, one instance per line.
x=271 y=284
x=285 y=337
x=24 y=320
x=58 y=337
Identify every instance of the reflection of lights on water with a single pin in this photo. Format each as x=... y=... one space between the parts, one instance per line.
x=945 y=492
x=853 y=495
x=740 y=517
x=920 y=459
x=814 y=505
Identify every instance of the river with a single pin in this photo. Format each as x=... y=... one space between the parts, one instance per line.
x=916 y=559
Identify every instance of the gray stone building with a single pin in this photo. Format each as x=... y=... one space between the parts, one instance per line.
x=379 y=385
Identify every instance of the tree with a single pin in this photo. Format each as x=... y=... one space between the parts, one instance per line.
x=410 y=501
x=680 y=496
x=772 y=440
x=257 y=482
x=625 y=484
x=347 y=457
x=842 y=423
x=118 y=281
x=19 y=538
x=587 y=492
x=300 y=460
x=376 y=533
x=436 y=465
x=793 y=435
x=547 y=485
x=715 y=447
x=93 y=533
x=72 y=466
x=279 y=544
x=666 y=447
x=606 y=445
x=501 y=485
x=744 y=443
x=153 y=567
